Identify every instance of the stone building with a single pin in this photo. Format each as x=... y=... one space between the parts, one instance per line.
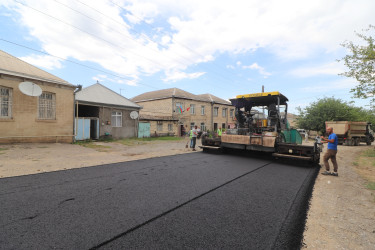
x=101 y=112
x=25 y=118
x=175 y=111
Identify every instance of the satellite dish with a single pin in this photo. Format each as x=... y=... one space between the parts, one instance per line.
x=134 y=115
x=30 y=88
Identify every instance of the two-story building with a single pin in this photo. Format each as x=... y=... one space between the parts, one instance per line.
x=175 y=111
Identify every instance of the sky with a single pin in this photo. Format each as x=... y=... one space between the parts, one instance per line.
x=225 y=48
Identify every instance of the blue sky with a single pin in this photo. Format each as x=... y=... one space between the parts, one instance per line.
x=225 y=48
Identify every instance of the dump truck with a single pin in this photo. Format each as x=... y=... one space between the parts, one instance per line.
x=352 y=133
x=261 y=126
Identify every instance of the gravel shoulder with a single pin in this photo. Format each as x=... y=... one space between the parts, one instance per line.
x=342 y=211
x=341 y=215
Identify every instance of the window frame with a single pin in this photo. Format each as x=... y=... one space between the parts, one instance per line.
x=159 y=126
x=43 y=107
x=224 y=112
x=114 y=118
x=203 y=126
x=216 y=112
x=203 y=110
x=192 y=109
x=8 y=103
x=231 y=113
x=170 y=127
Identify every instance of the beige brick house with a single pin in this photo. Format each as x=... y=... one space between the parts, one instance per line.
x=24 y=118
x=175 y=111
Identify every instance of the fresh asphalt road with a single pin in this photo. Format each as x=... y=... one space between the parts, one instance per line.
x=198 y=200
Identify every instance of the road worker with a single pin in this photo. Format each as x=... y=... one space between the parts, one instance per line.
x=331 y=152
x=219 y=132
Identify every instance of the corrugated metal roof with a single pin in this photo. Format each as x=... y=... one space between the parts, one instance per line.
x=178 y=93
x=14 y=66
x=100 y=94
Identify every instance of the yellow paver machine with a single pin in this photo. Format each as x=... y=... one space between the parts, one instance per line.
x=262 y=125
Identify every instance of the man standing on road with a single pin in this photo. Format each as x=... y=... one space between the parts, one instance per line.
x=219 y=132
x=331 y=152
x=193 y=137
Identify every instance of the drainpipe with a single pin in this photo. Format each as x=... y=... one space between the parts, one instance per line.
x=212 y=116
x=75 y=108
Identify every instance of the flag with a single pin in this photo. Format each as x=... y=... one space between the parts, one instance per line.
x=188 y=109
x=181 y=110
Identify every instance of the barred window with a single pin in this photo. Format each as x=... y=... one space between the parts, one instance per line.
x=159 y=126
x=5 y=102
x=170 y=127
x=116 y=119
x=47 y=106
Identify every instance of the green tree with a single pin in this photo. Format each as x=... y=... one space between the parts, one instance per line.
x=361 y=64
x=314 y=116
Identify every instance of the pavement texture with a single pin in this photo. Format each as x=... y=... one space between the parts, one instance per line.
x=200 y=200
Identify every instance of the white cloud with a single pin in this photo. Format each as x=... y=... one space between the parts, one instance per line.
x=330 y=87
x=333 y=68
x=174 y=76
x=260 y=69
x=191 y=33
x=230 y=67
x=43 y=61
x=105 y=78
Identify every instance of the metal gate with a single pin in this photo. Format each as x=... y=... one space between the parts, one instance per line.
x=144 y=129
x=86 y=128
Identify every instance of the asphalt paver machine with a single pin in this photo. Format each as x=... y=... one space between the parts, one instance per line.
x=262 y=125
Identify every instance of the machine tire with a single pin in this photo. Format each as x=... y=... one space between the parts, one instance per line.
x=357 y=141
x=205 y=150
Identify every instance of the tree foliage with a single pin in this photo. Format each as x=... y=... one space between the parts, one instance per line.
x=314 y=116
x=361 y=65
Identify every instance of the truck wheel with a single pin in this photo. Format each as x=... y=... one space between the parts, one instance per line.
x=368 y=142
x=346 y=142
x=357 y=141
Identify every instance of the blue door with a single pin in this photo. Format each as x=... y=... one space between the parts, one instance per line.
x=144 y=129
x=82 y=129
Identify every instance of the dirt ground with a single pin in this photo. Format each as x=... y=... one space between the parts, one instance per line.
x=342 y=211
x=341 y=215
x=27 y=158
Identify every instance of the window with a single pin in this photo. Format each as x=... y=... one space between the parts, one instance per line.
x=203 y=127
x=223 y=126
x=47 y=106
x=192 y=109
x=179 y=107
x=5 y=102
x=202 y=110
x=216 y=111
x=192 y=125
x=170 y=127
x=159 y=126
x=224 y=112
x=116 y=119
x=231 y=113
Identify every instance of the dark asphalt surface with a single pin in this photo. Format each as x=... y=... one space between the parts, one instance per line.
x=205 y=201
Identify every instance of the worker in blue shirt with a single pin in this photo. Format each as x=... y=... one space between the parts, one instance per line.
x=331 y=152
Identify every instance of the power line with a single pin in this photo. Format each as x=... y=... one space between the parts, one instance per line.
x=71 y=25
x=151 y=40
x=181 y=44
x=80 y=64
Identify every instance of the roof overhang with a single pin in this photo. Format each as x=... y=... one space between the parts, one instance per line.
x=97 y=104
x=26 y=76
